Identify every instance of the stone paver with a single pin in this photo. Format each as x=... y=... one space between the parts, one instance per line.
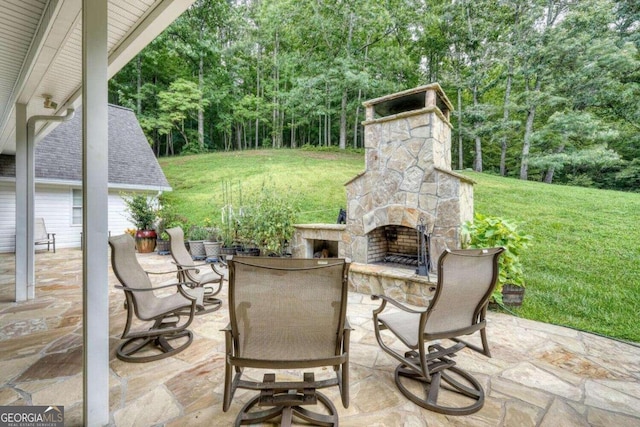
x=539 y=375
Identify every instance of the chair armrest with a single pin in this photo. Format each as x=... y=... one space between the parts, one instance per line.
x=385 y=299
x=161 y=272
x=186 y=267
x=155 y=288
x=347 y=325
x=215 y=270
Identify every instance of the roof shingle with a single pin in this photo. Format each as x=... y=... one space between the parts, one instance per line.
x=131 y=160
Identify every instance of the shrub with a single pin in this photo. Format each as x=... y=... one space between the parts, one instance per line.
x=267 y=219
x=141 y=210
x=489 y=231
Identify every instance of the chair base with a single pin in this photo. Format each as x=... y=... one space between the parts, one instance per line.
x=461 y=387
x=209 y=305
x=288 y=404
x=127 y=350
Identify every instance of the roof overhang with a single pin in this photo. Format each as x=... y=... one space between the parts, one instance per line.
x=41 y=52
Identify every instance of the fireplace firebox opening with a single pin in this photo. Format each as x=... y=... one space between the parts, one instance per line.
x=325 y=249
x=393 y=244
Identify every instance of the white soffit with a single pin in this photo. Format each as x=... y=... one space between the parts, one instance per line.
x=41 y=51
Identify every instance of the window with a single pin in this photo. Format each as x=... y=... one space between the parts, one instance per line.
x=76 y=207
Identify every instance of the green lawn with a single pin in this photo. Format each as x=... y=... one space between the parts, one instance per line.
x=582 y=269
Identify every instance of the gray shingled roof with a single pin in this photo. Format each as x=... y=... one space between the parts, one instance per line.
x=131 y=160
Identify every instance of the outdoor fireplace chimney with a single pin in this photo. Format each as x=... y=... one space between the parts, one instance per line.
x=408 y=176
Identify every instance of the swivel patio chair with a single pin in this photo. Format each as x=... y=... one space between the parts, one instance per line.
x=168 y=335
x=427 y=374
x=190 y=272
x=42 y=237
x=287 y=314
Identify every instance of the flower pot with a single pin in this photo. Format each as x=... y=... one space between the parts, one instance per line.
x=196 y=248
x=163 y=247
x=512 y=295
x=226 y=250
x=212 y=249
x=249 y=252
x=145 y=241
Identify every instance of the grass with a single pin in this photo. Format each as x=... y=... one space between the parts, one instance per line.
x=581 y=269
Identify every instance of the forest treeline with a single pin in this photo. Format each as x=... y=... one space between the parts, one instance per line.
x=543 y=89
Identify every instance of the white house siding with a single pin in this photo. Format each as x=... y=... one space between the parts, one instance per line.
x=7 y=217
x=54 y=204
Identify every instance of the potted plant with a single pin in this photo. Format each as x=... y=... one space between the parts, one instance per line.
x=141 y=211
x=167 y=218
x=212 y=243
x=268 y=221
x=489 y=231
x=197 y=234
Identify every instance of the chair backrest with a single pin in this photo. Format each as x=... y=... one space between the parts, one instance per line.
x=466 y=279
x=287 y=309
x=40 y=230
x=131 y=274
x=179 y=251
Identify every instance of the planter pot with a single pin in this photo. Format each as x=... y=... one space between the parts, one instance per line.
x=512 y=295
x=212 y=249
x=163 y=247
x=249 y=252
x=196 y=248
x=145 y=241
x=227 y=250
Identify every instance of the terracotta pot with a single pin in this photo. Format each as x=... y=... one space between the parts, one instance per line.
x=145 y=241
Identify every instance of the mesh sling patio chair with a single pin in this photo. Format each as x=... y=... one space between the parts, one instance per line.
x=42 y=237
x=190 y=272
x=168 y=334
x=287 y=313
x=427 y=374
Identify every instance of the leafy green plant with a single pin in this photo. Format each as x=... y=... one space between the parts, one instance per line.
x=268 y=218
x=490 y=231
x=198 y=232
x=168 y=217
x=141 y=210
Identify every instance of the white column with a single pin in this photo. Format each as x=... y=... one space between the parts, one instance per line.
x=94 y=220
x=24 y=202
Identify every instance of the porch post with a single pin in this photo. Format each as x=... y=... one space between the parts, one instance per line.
x=25 y=248
x=95 y=220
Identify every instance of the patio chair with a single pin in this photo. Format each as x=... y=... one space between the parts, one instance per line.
x=42 y=237
x=427 y=374
x=287 y=314
x=141 y=299
x=190 y=272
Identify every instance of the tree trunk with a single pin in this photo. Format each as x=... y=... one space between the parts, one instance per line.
x=460 y=147
x=526 y=146
x=548 y=176
x=505 y=117
x=343 y=120
x=477 y=164
x=201 y=110
x=139 y=85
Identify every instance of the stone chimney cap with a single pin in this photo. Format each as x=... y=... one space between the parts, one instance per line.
x=412 y=99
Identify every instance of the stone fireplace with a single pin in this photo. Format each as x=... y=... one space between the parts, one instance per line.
x=407 y=178
x=407 y=182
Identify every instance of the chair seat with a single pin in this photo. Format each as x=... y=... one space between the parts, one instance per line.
x=171 y=303
x=209 y=277
x=289 y=345
x=404 y=325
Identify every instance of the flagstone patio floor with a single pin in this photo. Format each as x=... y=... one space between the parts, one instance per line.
x=539 y=375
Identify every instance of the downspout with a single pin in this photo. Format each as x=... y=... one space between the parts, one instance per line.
x=30 y=190
x=31 y=123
